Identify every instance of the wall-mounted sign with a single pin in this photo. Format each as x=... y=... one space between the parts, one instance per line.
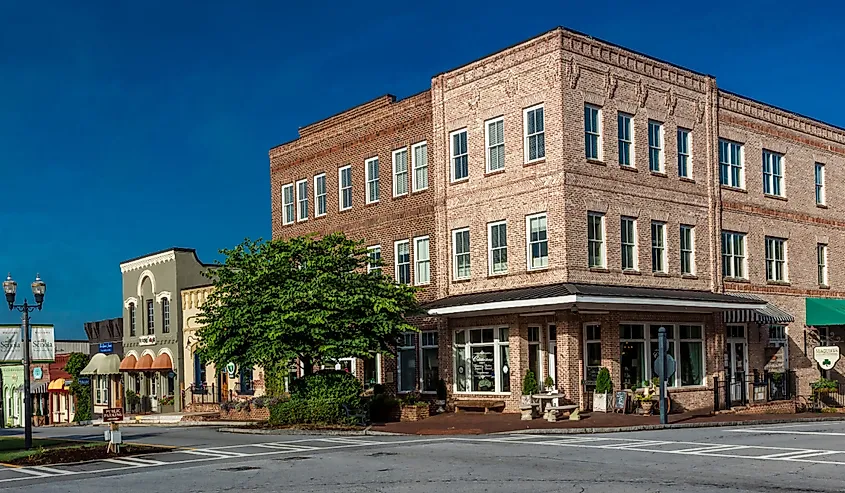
x=106 y=347
x=230 y=369
x=826 y=356
x=42 y=345
x=37 y=373
x=84 y=380
x=146 y=340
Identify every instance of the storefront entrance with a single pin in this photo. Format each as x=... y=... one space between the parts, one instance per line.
x=737 y=359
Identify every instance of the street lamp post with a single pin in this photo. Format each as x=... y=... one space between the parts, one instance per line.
x=10 y=287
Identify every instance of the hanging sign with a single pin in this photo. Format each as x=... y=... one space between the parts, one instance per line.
x=37 y=373
x=43 y=345
x=826 y=356
x=230 y=369
x=106 y=347
x=11 y=347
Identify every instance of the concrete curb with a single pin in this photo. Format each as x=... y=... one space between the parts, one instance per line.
x=364 y=432
x=177 y=424
x=623 y=429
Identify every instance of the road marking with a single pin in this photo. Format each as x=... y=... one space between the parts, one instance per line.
x=348 y=441
x=124 y=462
x=709 y=448
x=51 y=470
x=789 y=432
x=280 y=446
x=31 y=472
x=635 y=445
x=223 y=453
x=146 y=462
x=815 y=454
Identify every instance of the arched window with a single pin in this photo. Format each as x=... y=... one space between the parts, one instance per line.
x=165 y=315
x=131 y=319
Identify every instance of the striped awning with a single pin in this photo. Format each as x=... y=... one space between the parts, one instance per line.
x=769 y=314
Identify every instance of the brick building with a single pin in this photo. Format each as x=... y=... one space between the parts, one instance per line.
x=580 y=196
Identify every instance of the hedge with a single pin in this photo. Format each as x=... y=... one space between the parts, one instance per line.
x=311 y=411
x=333 y=385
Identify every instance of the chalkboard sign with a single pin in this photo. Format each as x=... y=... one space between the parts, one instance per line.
x=620 y=402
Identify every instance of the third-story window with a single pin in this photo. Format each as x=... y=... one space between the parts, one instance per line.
x=419 y=157
x=495 y=138
x=151 y=317
x=132 y=319
x=400 y=172
x=772 y=173
x=626 y=139
x=687 y=249
x=165 y=315
x=658 y=247
x=775 y=259
x=731 y=164
x=821 y=255
x=538 y=242
x=402 y=261
x=595 y=240
x=628 y=226
x=371 y=167
x=684 y=153
x=820 y=184
x=733 y=255
x=344 y=179
x=320 y=195
x=460 y=158
x=288 y=207
x=592 y=132
x=302 y=200
x=497 y=236
x=460 y=249
x=655 y=146
x=535 y=137
x=422 y=257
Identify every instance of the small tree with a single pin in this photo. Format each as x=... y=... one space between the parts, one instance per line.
x=529 y=384
x=604 y=385
x=77 y=362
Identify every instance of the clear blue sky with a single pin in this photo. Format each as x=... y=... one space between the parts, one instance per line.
x=130 y=129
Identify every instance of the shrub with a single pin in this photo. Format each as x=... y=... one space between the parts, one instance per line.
x=332 y=385
x=258 y=402
x=824 y=385
x=313 y=411
x=381 y=406
x=378 y=389
x=603 y=383
x=529 y=384
x=549 y=383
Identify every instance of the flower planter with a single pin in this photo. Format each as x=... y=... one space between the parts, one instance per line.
x=602 y=402
x=39 y=420
x=414 y=413
x=647 y=407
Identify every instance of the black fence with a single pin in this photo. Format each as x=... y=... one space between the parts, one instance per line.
x=757 y=387
x=206 y=394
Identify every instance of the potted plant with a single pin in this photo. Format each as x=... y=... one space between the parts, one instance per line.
x=646 y=397
x=413 y=408
x=38 y=419
x=441 y=395
x=132 y=401
x=529 y=388
x=167 y=403
x=549 y=384
x=604 y=391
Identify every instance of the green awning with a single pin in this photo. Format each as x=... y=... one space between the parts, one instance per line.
x=825 y=311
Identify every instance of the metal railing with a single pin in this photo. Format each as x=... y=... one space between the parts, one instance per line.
x=755 y=388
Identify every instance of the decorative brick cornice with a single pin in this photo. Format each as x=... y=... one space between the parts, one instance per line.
x=745 y=287
x=797 y=217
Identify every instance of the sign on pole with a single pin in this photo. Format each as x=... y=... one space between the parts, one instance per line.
x=43 y=345
x=11 y=347
x=670 y=367
x=826 y=356
x=112 y=414
x=230 y=369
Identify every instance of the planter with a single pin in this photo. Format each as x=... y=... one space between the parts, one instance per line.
x=166 y=408
x=602 y=402
x=646 y=406
x=39 y=420
x=414 y=413
x=440 y=406
x=525 y=400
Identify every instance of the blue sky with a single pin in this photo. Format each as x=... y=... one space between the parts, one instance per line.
x=126 y=129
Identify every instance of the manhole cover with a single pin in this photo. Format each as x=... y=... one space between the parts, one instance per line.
x=240 y=468
x=295 y=457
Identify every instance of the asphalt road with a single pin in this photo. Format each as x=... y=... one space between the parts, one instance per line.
x=807 y=457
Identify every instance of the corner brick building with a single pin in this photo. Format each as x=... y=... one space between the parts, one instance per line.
x=580 y=196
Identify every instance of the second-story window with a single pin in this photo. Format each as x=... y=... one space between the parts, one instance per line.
x=402 y=261
x=775 y=259
x=655 y=147
x=592 y=132
x=733 y=255
x=629 y=243
x=772 y=173
x=460 y=249
x=344 y=180
x=400 y=172
x=687 y=249
x=535 y=136
x=374 y=258
x=684 y=152
x=820 y=198
x=538 y=241
x=658 y=247
x=151 y=317
x=595 y=240
x=371 y=167
x=460 y=158
x=495 y=138
x=132 y=320
x=320 y=195
x=302 y=200
x=288 y=207
x=731 y=164
x=165 y=315
x=497 y=236
x=420 y=162
x=422 y=259
x=821 y=258
x=626 y=139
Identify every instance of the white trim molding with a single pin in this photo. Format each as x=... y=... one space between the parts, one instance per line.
x=168 y=352
x=158 y=258
x=150 y=352
x=144 y=275
x=164 y=294
x=130 y=301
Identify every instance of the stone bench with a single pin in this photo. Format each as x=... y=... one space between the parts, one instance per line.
x=553 y=411
x=486 y=405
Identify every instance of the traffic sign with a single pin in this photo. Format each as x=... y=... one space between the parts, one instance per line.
x=112 y=414
x=670 y=366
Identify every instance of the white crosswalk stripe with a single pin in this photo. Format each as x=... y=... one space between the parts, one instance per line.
x=51 y=470
x=284 y=446
x=124 y=462
x=143 y=461
x=30 y=471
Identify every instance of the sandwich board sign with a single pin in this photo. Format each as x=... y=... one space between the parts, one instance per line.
x=826 y=356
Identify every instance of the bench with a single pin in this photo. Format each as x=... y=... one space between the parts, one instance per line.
x=552 y=411
x=486 y=405
x=360 y=418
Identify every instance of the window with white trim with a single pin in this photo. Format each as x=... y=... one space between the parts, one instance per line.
x=595 y=240
x=344 y=180
x=400 y=172
x=538 y=241
x=429 y=348
x=819 y=176
x=132 y=319
x=687 y=249
x=535 y=136
x=821 y=259
x=772 y=173
x=733 y=255
x=320 y=195
x=372 y=178
x=460 y=253
x=402 y=261
x=592 y=132
x=406 y=354
x=102 y=386
x=151 y=317
x=625 y=131
x=535 y=358
x=776 y=259
x=684 y=153
x=165 y=315
x=495 y=140
x=658 y=247
x=419 y=158
x=288 y=207
x=482 y=360
x=422 y=260
x=731 y=164
x=302 y=200
x=497 y=244
x=592 y=354
x=551 y=352
x=628 y=229
x=685 y=343
x=656 y=161
x=374 y=258
x=459 y=153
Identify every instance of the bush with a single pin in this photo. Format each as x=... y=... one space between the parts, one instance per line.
x=381 y=406
x=331 y=385
x=313 y=411
x=603 y=383
x=529 y=384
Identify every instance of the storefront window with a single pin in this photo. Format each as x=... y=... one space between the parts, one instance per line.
x=692 y=355
x=552 y=351
x=407 y=354
x=592 y=354
x=430 y=361
x=481 y=360
x=632 y=356
x=684 y=343
x=534 y=358
x=370 y=371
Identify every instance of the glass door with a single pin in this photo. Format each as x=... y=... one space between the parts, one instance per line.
x=737 y=352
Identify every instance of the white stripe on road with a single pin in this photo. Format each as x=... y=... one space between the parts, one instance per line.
x=815 y=454
x=788 y=432
x=224 y=453
x=123 y=462
x=278 y=446
x=52 y=470
x=145 y=462
x=349 y=441
x=634 y=445
x=30 y=471
x=710 y=448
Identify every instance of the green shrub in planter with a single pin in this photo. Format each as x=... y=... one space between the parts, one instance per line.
x=529 y=384
x=334 y=385
x=603 y=383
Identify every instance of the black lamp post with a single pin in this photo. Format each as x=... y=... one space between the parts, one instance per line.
x=10 y=287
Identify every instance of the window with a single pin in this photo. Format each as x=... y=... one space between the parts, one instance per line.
x=132 y=326
x=535 y=360
x=165 y=315
x=320 y=195
x=374 y=258
x=687 y=249
x=730 y=164
x=371 y=167
x=592 y=354
x=820 y=198
x=733 y=255
x=288 y=213
x=535 y=137
x=402 y=261
x=460 y=158
x=538 y=241
x=245 y=381
x=419 y=156
x=302 y=200
x=684 y=162
x=406 y=353
x=344 y=180
x=151 y=317
x=772 y=173
x=595 y=239
x=460 y=249
x=821 y=256
x=629 y=243
x=102 y=385
x=684 y=343
x=592 y=132
x=497 y=239
x=775 y=259
x=400 y=172
x=482 y=360
x=777 y=334
x=495 y=140
x=658 y=247
x=552 y=354
x=655 y=146
x=430 y=360
x=422 y=267
x=626 y=139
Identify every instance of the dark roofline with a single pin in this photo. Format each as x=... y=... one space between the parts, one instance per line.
x=799 y=115
x=197 y=286
x=321 y=120
x=174 y=249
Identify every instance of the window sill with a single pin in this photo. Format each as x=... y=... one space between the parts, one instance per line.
x=320 y=216
x=735 y=189
x=599 y=269
x=400 y=196
x=537 y=269
x=661 y=174
x=596 y=161
x=494 y=172
x=534 y=162
x=470 y=393
x=632 y=169
x=775 y=197
x=660 y=274
x=689 y=276
x=778 y=283
x=824 y=286
x=341 y=211
x=463 y=279
x=423 y=284
x=462 y=180
x=494 y=275
x=421 y=190
x=686 y=179
x=737 y=279
x=631 y=272
x=690 y=388
x=370 y=204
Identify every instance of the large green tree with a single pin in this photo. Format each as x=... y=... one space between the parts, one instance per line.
x=307 y=297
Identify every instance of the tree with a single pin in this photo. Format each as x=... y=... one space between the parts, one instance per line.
x=308 y=298
x=77 y=362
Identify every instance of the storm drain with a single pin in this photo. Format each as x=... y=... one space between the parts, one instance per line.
x=292 y=458
x=382 y=454
x=240 y=468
